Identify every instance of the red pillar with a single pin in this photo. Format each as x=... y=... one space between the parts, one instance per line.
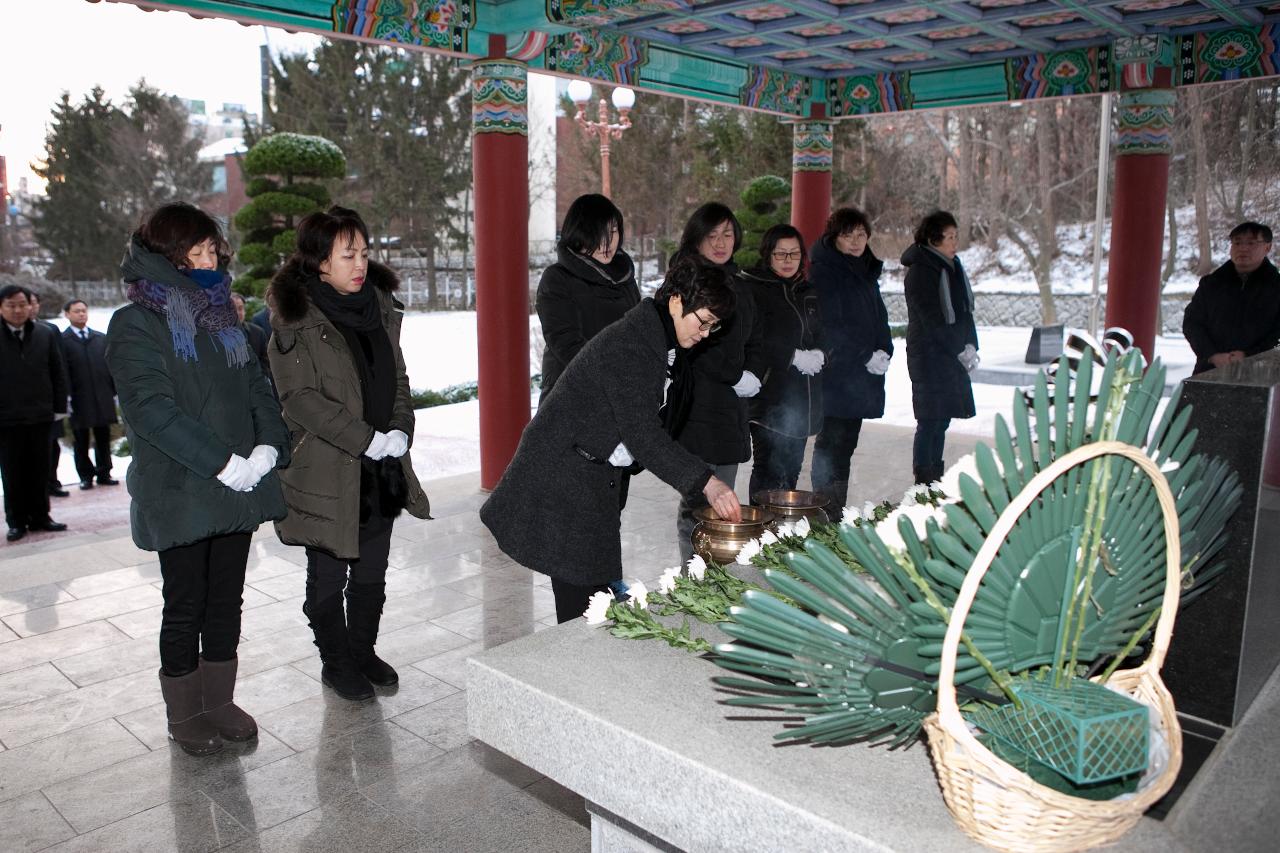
x=811 y=152
x=500 y=160
x=1138 y=213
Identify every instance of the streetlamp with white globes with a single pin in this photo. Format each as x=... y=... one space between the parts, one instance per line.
x=623 y=100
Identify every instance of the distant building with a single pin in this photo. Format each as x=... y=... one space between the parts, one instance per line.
x=226 y=189
x=227 y=122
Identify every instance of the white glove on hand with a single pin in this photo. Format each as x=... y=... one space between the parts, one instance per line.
x=377 y=446
x=397 y=444
x=262 y=460
x=238 y=474
x=671 y=357
x=748 y=385
x=969 y=357
x=808 y=361
x=878 y=363
x=621 y=457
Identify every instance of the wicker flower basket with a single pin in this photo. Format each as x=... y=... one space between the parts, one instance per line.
x=1002 y=806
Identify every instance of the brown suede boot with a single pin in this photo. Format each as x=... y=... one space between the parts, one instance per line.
x=184 y=708
x=219 y=686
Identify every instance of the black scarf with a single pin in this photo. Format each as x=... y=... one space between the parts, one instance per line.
x=675 y=411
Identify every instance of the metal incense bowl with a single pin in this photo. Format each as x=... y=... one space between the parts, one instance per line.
x=791 y=505
x=719 y=541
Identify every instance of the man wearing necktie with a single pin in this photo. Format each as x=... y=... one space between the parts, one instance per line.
x=93 y=403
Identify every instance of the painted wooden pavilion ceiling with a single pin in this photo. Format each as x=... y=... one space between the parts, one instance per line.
x=797 y=57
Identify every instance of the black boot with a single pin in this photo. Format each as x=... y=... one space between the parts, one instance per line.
x=364 y=612
x=836 y=492
x=339 y=672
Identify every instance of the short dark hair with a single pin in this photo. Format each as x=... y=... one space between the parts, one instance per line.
x=705 y=220
x=586 y=224
x=240 y=296
x=70 y=302
x=843 y=220
x=770 y=241
x=1255 y=229
x=10 y=290
x=929 y=231
x=172 y=230
x=33 y=295
x=699 y=285
x=317 y=233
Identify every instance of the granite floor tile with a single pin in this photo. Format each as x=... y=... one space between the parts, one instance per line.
x=113 y=581
x=450 y=666
x=429 y=575
x=6 y=634
x=282 y=586
x=503 y=617
x=425 y=604
x=493 y=559
x=570 y=804
x=57 y=555
x=433 y=549
x=83 y=610
x=325 y=716
x=113 y=793
x=400 y=647
x=268 y=547
x=265 y=567
x=122 y=550
x=343 y=765
x=190 y=824
x=349 y=824
x=472 y=780
x=272 y=618
x=54 y=645
x=55 y=715
x=292 y=644
x=29 y=823
x=516 y=822
x=112 y=661
x=65 y=756
x=438 y=527
x=32 y=598
x=35 y=682
x=443 y=723
x=146 y=622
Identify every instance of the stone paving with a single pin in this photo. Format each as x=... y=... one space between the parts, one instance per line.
x=85 y=764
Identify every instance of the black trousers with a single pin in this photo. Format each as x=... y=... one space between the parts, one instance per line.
x=327 y=576
x=203 y=585
x=102 y=450
x=571 y=599
x=775 y=460
x=55 y=453
x=24 y=466
x=833 y=451
x=931 y=438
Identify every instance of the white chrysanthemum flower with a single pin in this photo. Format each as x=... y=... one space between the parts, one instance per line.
x=639 y=595
x=869 y=510
x=917 y=514
x=749 y=550
x=913 y=495
x=802 y=527
x=949 y=485
x=697 y=567
x=667 y=582
x=597 y=607
x=850 y=516
x=786 y=529
x=887 y=530
x=767 y=538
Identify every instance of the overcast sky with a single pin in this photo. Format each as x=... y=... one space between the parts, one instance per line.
x=55 y=45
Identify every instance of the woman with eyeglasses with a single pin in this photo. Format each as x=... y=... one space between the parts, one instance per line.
x=706 y=403
x=557 y=509
x=845 y=272
x=591 y=284
x=788 y=408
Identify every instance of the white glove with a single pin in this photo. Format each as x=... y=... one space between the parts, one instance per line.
x=671 y=357
x=878 y=363
x=748 y=385
x=377 y=446
x=397 y=444
x=969 y=357
x=808 y=361
x=262 y=460
x=238 y=474
x=621 y=457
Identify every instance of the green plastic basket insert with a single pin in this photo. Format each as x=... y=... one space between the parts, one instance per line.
x=1084 y=731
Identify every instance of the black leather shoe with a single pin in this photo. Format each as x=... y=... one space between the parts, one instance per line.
x=59 y=493
x=15 y=533
x=49 y=526
x=85 y=485
x=108 y=481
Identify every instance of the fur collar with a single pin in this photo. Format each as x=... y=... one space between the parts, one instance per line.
x=287 y=293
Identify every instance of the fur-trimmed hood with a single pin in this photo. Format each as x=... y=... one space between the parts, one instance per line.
x=290 y=304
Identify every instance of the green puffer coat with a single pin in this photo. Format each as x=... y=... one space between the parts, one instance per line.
x=324 y=410
x=184 y=419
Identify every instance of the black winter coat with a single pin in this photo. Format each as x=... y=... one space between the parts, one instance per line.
x=33 y=379
x=577 y=297
x=940 y=386
x=789 y=402
x=1229 y=313
x=716 y=428
x=555 y=510
x=854 y=325
x=93 y=393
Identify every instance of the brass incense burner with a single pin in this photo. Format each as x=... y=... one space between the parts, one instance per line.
x=719 y=541
x=791 y=505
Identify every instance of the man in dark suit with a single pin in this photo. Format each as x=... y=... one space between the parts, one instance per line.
x=93 y=403
x=32 y=390
x=58 y=429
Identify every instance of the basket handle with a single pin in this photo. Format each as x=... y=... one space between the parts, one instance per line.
x=948 y=710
